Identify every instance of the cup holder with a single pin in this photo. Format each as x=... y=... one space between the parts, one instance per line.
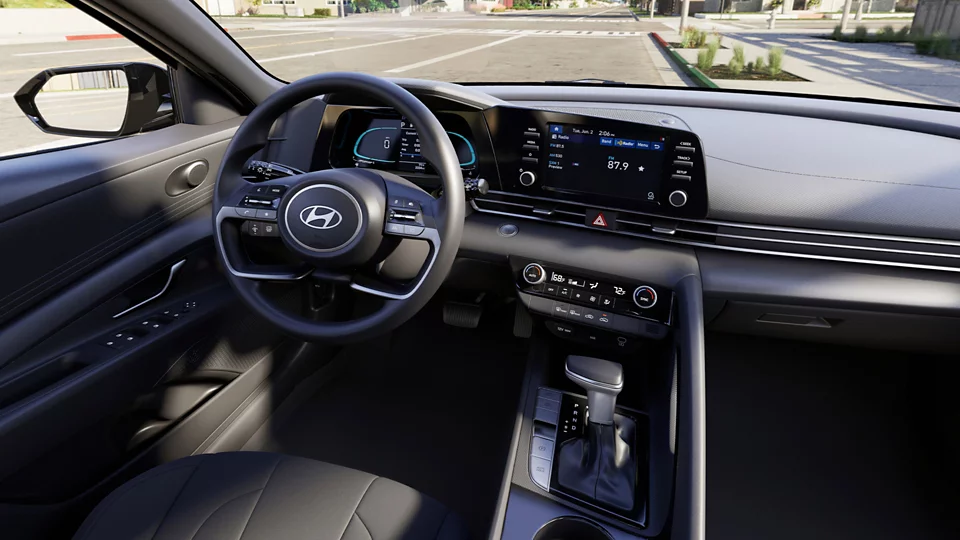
x=571 y=528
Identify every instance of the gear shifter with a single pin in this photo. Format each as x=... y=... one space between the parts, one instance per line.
x=601 y=465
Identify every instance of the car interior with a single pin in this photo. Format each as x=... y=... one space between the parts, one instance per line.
x=357 y=307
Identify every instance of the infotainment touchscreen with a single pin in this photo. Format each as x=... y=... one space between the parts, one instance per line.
x=594 y=160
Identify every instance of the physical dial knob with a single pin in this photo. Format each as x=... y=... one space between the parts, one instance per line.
x=527 y=178
x=533 y=274
x=678 y=198
x=644 y=297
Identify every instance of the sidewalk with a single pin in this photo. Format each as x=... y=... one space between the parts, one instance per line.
x=865 y=70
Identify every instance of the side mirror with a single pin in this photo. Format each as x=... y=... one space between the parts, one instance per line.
x=110 y=100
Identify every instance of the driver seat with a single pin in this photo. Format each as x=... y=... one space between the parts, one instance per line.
x=257 y=495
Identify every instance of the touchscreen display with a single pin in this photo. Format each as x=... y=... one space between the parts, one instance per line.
x=585 y=159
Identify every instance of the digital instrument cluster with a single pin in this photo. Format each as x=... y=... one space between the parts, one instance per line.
x=385 y=140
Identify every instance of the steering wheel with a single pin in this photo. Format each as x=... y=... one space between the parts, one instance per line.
x=338 y=224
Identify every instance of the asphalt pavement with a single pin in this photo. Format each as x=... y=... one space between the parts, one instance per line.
x=607 y=43
x=602 y=43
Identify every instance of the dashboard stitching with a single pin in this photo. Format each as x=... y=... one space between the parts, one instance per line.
x=833 y=177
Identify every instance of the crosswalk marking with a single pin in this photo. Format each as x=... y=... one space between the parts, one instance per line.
x=413 y=30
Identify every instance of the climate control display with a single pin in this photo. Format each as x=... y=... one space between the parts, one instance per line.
x=641 y=300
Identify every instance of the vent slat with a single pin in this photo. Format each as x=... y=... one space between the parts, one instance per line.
x=753 y=238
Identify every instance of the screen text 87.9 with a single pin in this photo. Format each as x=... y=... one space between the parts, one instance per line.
x=617 y=165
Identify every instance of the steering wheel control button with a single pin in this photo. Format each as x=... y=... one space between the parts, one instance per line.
x=533 y=273
x=260 y=202
x=323 y=217
x=276 y=190
x=527 y=178
x=267 y=214
x=678 y=198
x=412 y=230
x=397 y=202
x=393 y=228
x=247 y=212
x=645 y=297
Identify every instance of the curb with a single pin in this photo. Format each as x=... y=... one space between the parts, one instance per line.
x=88 y=37
x=702 y=80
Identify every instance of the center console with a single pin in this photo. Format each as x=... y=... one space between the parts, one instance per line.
x=610 y=441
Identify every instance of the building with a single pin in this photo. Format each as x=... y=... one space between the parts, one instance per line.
x=938 y=16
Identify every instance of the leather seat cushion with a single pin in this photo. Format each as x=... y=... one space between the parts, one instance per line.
x=254 y=495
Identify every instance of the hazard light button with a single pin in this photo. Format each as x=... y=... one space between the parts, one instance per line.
x=601 y=219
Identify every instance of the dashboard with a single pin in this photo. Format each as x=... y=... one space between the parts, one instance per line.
x=538 y=154
x=795 y=203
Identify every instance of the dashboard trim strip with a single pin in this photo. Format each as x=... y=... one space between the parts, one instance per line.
x=737 y=249
x=772 y=228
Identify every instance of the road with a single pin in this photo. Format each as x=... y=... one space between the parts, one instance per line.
x=597 y=43
x=601 y=43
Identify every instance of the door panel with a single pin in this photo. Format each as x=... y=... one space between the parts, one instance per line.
x=108 y=209
x=87 y=233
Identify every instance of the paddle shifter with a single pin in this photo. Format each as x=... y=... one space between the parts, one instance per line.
x=601 y=465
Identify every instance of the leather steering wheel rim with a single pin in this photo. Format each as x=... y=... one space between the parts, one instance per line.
x=436 y=147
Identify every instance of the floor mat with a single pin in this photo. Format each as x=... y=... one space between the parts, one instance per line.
x=815 y=441
x=433 y=407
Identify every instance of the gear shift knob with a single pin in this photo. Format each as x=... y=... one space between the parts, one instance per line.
x=602 y=380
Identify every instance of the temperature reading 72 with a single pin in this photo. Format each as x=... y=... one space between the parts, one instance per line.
x=618 y=165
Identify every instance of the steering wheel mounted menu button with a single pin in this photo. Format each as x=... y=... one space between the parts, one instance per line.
x=412 y=230
x=678 y=198
x=644 y=297
x=533 y=274
x=267 y=214
x=247 y=212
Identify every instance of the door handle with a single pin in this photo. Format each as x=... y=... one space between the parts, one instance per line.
x=173 y=273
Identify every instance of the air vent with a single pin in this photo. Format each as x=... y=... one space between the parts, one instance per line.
x=773 y=240
x=575 y=214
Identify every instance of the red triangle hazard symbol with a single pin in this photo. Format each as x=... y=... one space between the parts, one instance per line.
x=600 y=222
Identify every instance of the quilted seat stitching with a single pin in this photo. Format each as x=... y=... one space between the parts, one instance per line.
x=194 y=535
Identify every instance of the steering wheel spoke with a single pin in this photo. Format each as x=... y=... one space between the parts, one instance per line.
x=402 y=291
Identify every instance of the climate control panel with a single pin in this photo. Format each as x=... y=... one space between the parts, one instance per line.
x=576 y=296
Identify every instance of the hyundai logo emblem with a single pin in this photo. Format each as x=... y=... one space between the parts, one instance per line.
x=320 y=217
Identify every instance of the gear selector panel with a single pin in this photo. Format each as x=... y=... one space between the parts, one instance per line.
x=561 y=419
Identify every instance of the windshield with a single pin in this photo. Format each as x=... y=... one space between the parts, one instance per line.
x=878 y=51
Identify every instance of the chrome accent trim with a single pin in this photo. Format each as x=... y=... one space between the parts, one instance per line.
x=172 y=274
x=432 y=236
x=232 y=211
x=591 y=382
x=821 y=244
x=356 y=205
x=652 y=290
x=772 y=228
x=543 y=274
x=733 y=248
x=823 y=232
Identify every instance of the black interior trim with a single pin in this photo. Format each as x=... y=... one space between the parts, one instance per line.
x=163 y=248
